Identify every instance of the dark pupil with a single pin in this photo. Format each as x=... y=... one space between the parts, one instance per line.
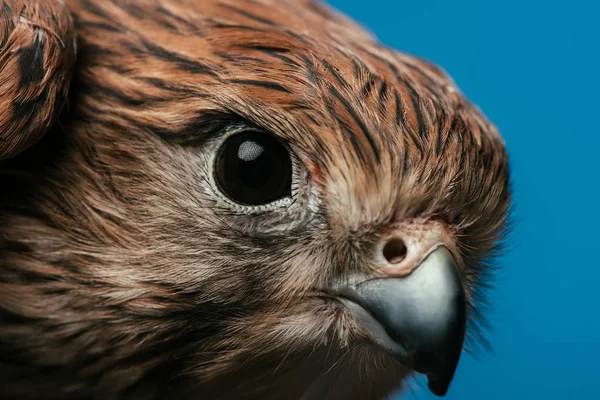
x=254 y=168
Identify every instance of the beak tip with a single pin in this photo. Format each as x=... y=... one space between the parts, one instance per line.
x=438 y=388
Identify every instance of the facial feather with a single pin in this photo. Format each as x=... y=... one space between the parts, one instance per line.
x=126 y=274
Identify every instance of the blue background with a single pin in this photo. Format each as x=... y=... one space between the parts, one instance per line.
x=533 y=68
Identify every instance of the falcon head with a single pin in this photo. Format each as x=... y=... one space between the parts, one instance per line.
x=245 y=200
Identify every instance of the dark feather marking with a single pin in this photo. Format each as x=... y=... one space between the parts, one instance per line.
x=471 y=138
x=487 y=159
x=392 y=68
x=336 y=74
x=264 y=84
x=164 y=23
x=405 y=160
x=201 y=129
x=184 y=63
x=31 y=62
x=264 y=48
x=301 y=38
x=414 y=139
x=399 y=121
x=12 y=318
x=313 y=75
x=286 y=60
x=141 y=14
x=183 y=21
x=252 y=59
x=248 y=15
x=398 y=103
x=94 y=49
x=273 y=52
x=116 y=95
x=423 y=177
x=313 y=119
x=351 y=135
x=170 y=87
x=356 y=119
x=95 y=9
x=103 y=26
x=383 y=89
x=353 y=139
x=415 y=99
x=27 y=275
x=303 y=105
x=28 y=111
x=236 y=58
x=368 y=86
x=431 y=83
x=9 y=246
x=357 y=68
x=333 y=115
x=453 y=130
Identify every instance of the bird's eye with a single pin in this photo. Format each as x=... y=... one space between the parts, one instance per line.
x=254 y=168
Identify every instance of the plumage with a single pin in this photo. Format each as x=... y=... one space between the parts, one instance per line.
x=126 y=274
x=37 y=53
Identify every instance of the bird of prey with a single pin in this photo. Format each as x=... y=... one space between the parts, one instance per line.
x=234 y=199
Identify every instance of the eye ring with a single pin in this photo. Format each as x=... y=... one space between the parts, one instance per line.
x=253 y=168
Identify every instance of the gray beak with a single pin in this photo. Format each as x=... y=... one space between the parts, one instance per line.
x=420 y=319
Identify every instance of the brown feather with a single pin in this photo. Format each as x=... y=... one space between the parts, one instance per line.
x=37 y=54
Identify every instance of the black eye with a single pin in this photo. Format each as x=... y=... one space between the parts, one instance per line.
x=254 y=168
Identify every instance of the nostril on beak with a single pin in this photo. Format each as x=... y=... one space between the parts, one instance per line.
x=395 y=251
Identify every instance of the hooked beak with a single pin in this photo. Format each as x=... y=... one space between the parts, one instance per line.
x=420 y=319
